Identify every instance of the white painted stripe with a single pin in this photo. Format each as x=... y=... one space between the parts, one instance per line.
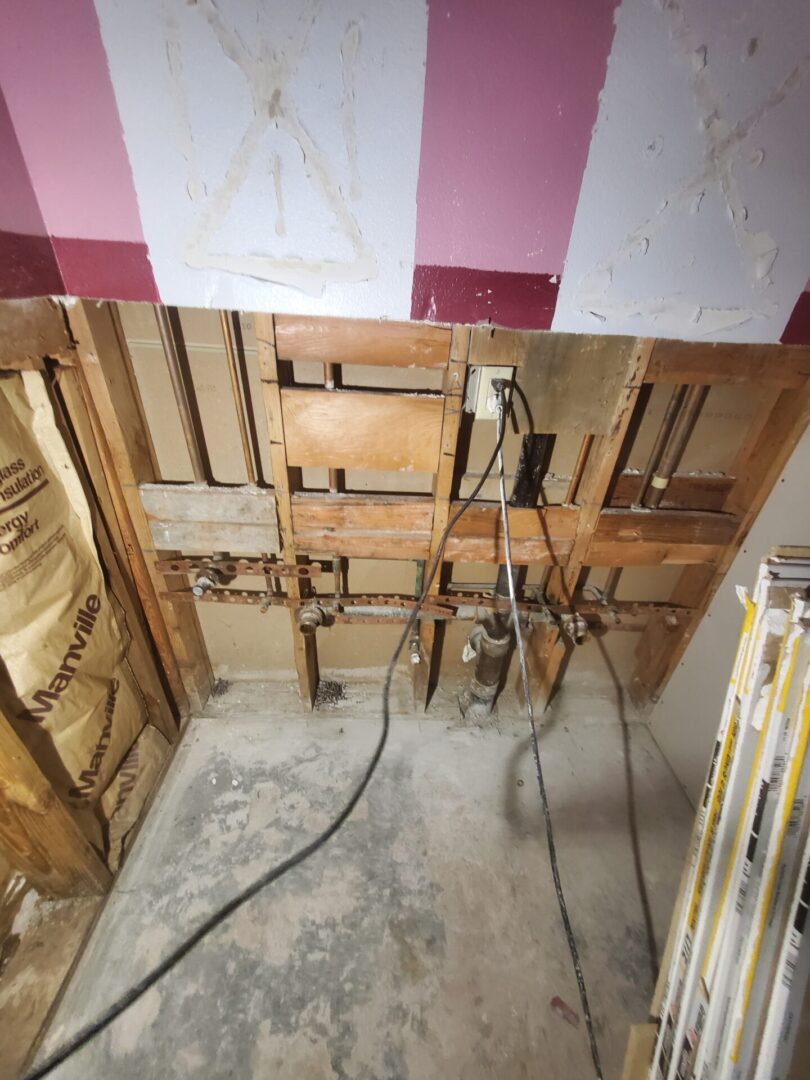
x=275 y=148
x=694 y=215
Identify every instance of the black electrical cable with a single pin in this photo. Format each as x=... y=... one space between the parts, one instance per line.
x=89 y=1031
x=552 y=847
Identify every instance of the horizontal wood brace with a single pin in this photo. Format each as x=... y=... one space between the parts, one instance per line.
x=200 y=518
x=683 y=492
x=362 y=341
x=390 y=527
x=661 y=537
x=709 y=364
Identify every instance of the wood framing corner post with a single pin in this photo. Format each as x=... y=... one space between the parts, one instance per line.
x=774 y=435
x=128 y=459
x=425 y=673
x=547 y=649
x=38 y=833
x=305 y=649
x=73 y=418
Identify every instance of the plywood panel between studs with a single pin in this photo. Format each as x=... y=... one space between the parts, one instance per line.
x=360 y=430
x=197 y=517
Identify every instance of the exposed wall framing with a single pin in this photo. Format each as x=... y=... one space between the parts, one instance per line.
x=170 y=545
x=599 y=388
x=595 y=390
x=39 y=833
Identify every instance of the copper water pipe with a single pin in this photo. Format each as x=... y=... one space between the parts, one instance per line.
x=681 y=430
x=180 y=392
x=579 y=469
x=673 y=408
x=236 y=387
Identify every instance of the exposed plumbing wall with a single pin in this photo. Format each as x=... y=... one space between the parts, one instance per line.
x=244 y=643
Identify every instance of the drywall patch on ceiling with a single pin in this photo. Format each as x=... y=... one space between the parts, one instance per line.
x=694 y=215
x=275 y=148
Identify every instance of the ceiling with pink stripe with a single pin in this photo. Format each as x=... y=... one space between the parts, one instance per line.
x=616 y=167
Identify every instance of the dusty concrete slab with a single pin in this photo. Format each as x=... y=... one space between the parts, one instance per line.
x=425 y=940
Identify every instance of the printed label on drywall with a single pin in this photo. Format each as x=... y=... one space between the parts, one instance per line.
x=70 y=692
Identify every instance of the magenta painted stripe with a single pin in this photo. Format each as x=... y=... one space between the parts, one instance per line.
x=106 y=269
x=461 y=294
x=19 y=210
x=797 y=331
x=511 y=96
x=56 y=80
x=28 y=265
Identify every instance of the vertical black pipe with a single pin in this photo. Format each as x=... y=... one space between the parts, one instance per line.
x=535 y=454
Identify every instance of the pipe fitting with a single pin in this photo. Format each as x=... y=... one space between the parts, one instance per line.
x=204 y=582
x=575 y=628
x=309 y=618
x=492 y=641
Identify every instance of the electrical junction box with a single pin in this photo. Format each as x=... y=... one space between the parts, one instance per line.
x=479 y=397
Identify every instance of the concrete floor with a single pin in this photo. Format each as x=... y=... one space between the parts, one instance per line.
x=424 y=941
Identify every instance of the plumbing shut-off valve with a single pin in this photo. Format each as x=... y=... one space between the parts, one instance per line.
x=310 y=618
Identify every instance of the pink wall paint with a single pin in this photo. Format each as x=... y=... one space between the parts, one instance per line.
x=57 y=84
x=19 y=210
x=511 y=96
x=28 y=263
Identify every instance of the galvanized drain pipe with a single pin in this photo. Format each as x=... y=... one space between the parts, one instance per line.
x=676 y=444
x=491 y=640
x=673 y=408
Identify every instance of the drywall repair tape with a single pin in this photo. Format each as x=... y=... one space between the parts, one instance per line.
x=659 y=482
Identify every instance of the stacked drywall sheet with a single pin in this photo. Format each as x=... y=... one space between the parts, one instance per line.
x=740 y=960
